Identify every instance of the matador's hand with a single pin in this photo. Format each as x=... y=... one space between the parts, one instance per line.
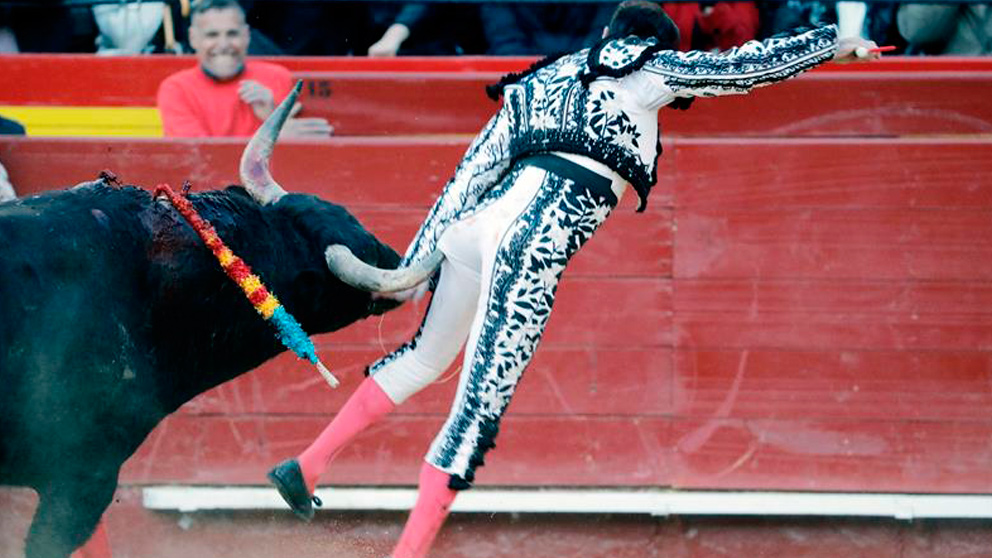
x=856 y=49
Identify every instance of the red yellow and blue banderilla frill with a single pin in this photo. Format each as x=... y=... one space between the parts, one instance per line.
x=288 y=329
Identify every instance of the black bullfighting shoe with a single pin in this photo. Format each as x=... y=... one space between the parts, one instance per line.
x=288 y=479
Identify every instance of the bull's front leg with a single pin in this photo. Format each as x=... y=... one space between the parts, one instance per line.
x=68 y=513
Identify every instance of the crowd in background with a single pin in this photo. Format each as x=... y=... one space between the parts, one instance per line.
x=383 y=28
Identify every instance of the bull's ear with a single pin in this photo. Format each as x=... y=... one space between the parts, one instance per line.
x=255 y=159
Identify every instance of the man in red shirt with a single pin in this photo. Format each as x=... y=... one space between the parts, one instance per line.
x=226 y=95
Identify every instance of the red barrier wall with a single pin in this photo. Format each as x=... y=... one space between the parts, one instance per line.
x=822 y=103
x=133 y=80
x=788 y=314
x=361 y=96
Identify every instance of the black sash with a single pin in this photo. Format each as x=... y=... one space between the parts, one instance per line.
x=597 y=184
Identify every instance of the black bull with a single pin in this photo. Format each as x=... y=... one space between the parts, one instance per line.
x=113 y=313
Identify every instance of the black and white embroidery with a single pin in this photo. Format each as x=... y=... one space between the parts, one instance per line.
x=484 y=165
x=618 y=57
x=608 y=121
x=557 y=107
x=485 y=199
x=622 y=53
x=528 y=265
x=551 y=109
x=745 y=67
x=601 y=128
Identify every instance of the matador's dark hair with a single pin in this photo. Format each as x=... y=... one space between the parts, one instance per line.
x=646 y=20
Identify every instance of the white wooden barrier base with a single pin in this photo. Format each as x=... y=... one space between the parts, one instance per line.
x=630 y=501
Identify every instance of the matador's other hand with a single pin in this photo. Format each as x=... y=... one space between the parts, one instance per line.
x=856 y=49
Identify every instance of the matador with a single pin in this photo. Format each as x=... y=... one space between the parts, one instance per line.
x=572 y=134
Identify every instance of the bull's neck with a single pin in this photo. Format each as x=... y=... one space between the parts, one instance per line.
x=209 y=331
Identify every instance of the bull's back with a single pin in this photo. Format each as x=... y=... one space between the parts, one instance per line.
x=66 y=260
x=61 y=251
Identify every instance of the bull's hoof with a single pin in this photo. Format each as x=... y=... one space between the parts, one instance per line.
x=288 y=479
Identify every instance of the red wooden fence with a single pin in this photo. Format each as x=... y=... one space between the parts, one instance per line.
x=361 y=96
x=789 y=314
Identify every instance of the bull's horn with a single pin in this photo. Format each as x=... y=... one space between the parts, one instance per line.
x=255 y=160
x=361 y=275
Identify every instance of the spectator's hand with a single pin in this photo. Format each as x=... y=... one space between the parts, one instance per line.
x=258 y=96
x=391 y=41
x=309 y=127
x=847 y=50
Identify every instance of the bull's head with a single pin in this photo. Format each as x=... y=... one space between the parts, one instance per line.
x=327 y=227
x=340 y=260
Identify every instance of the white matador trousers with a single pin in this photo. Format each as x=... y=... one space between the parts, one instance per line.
x=495 y=293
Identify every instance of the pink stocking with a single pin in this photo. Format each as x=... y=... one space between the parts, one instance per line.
x=367 y=405
x=433 y=502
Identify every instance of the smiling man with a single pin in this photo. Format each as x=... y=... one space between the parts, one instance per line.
x=226 y=94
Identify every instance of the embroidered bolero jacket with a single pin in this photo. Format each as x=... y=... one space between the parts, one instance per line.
x=603 y=103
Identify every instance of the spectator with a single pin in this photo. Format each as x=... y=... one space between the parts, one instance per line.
x=714 y=26
x=542 y=28
x=226 y=95
x=424 y=29
x=962 y=29
x=179 y=18
x=128 y=28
